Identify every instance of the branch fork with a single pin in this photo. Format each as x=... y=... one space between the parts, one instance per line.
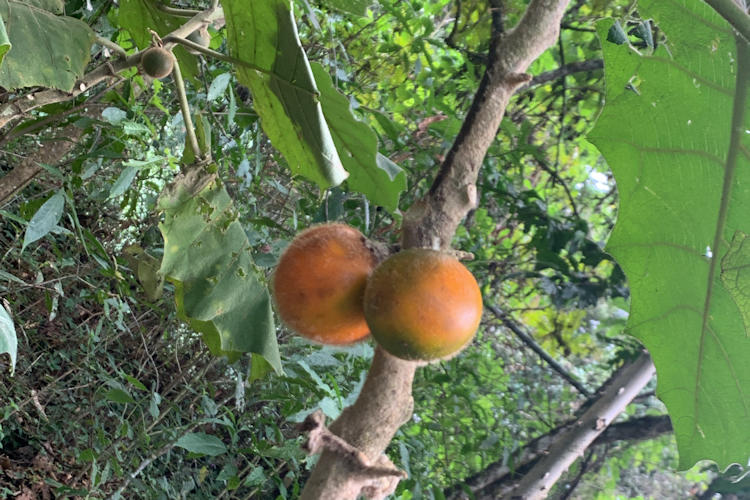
x=371 y=479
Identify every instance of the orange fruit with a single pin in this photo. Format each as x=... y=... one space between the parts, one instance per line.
x=320 y=281
x=422 y=305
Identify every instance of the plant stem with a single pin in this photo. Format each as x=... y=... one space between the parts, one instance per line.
x=734 y=15
x=185 y=107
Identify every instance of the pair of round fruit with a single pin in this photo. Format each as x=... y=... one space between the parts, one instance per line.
x=418 y=304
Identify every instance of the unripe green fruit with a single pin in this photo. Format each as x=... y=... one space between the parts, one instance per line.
x=157 y=62
x=422 y=305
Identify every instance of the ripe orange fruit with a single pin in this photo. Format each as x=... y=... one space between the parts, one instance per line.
x=319 y=283
x=422 y=305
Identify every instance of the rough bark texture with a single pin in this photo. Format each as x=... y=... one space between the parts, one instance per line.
x=501 y=476
x=572 y=443
x=385 y=402
x=50 y=153
x=432 y=221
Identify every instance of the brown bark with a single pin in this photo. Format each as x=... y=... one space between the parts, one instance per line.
x=571 y=444
x=500 y=476
x=50 y=153
x=385 y=402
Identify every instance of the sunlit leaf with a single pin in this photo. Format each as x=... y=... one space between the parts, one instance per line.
x=45 y=219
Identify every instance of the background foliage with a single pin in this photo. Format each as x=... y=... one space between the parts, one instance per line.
x=115 y=391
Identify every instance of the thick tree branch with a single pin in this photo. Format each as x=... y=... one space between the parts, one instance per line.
x=432 y=221
x=499 y=478
x=51 y=153
x=385 y=401
x=571 y=444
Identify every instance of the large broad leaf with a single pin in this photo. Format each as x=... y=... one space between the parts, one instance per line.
x=139 y=16
x=48 y=50
x=378 y=178
x=207 y=257
x=683 y=176
x=263 y=35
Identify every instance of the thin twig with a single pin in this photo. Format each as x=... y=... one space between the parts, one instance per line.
x=531 y=343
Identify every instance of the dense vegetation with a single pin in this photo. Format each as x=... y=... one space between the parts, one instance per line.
x=119 y=390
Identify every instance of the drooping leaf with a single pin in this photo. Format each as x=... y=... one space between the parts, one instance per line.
x=378 y=178
x=45 y=219
x=682 y=172
x=138 y=16
x=8 y=339
x=200 y=442
x=263 y=34
x=47 y=50
x=207 y=257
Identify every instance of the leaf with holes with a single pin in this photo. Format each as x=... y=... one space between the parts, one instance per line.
x=674 y=132
x=47 y=50
x=207 y=258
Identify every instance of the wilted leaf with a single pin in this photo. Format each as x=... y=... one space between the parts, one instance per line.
x=683 y=172
x=47 y=50
x=207 y=257
x=264 y=35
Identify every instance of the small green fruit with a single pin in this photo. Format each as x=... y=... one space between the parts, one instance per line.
x=157 y=62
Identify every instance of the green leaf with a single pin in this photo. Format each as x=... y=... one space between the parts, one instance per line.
x=263 y=34
x=357 y=7
x=373 y=175
x=667 y=133
x=199 y=442
x=207 y=257
x=47 y=50
x=119 y=396
x=45 y=219
x=123 y=182
x=218 y=87
x=8 y=339
x=5 y=44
